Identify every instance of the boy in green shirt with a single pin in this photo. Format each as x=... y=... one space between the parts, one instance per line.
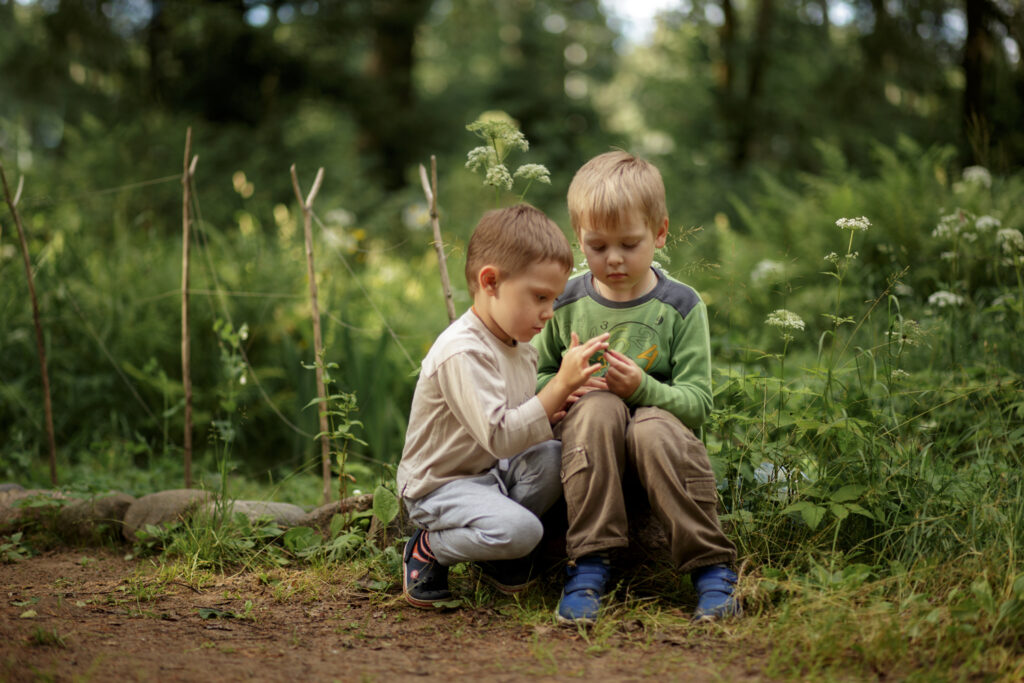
x=637 y=419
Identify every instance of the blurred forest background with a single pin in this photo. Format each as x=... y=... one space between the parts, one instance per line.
x=769 y=119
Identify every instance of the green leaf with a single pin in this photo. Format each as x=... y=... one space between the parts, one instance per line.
x=858 y=510
x=848 y=493
x=840 y=511
x=385 y=504
x=300 y=539
x=812 y=514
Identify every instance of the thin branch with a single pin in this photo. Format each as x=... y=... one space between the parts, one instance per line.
x=189 y=165
x=318 y=344
x=12 y=203
x=430 y=191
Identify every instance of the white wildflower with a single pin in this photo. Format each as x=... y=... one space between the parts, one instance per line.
x=768 y=271
x=903 y=289
x=986 y=223
x=832 y=257
x=498 y=176
x=481 y=158
x=948 y=255
x=952 y=225
x=783 y=319
x=977 y=175
x=1011 y=240
x=899 y=375
x=861 y=223
x=416 y=216
x=906 y=332
x=243 y=331
x=242 y=380
x=538 y=172
x=943 y=298
x=969 y=237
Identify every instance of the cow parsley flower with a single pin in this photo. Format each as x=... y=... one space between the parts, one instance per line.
x=977 y=175
x=861 y=223
x=952 y=225
x=784 y=320
x=498 y=176
x=943 y=298
x=1011 y=240
x=767 y=271
x=531 y=172
x=986 y=223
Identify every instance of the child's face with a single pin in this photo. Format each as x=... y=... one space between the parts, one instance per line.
x=516 y=308
x=620 y=257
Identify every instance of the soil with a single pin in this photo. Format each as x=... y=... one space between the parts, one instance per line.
x=95 y=615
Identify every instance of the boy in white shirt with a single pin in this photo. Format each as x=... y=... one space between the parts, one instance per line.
x=480 y=464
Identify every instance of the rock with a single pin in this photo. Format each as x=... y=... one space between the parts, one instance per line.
x=283 y=514
x=90 y=519
x=320 y=518
x=19 y=508
x=11 y=487
x=163 y=507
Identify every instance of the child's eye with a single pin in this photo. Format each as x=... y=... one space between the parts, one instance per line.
x=630 y=246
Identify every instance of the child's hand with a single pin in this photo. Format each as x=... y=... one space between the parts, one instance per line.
x=574 y=375
x=623 y=375
x=576 y=368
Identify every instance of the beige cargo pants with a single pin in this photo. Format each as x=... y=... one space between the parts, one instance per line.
x=603 y=443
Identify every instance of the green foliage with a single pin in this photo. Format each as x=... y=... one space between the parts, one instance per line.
x=13 y=549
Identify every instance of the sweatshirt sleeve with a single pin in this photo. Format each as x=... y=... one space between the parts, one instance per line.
x=473 y=387
x=688 y=395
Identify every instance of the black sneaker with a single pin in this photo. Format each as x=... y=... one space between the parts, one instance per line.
x=424 y=580
x=508 y=576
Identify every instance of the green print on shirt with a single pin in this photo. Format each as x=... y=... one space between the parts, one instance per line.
x=630 y=338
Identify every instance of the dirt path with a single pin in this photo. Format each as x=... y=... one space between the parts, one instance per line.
x=91 y=615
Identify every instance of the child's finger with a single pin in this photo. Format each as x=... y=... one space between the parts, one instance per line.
x=575 y=341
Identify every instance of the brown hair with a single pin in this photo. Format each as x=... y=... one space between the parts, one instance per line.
x=612 y=184
x=512 y=240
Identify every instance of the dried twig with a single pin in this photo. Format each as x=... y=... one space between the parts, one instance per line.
x=430 y=190
x=188 y=170
x=318 y=345
x=12 y=203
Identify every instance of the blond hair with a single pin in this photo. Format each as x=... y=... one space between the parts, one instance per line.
x=610 y=186
x=512 y=240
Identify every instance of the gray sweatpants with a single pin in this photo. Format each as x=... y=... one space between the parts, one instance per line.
x=494 y=515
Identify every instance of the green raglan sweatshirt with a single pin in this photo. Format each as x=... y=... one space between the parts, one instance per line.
x=665 y=332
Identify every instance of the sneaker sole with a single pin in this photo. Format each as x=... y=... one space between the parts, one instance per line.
x=565 y=621
x=498 y=585
x=419 y=603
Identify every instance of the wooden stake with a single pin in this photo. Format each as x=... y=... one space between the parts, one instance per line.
x=12 y=203
x=318 y=344
x=189 y=168
x=430 y=190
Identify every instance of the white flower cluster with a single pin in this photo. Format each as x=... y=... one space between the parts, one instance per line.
x=1011 y=241
x=977 y=175
x=498 y=176
x=861 y=223
x=785 y=320
x=943 y=298
x=768 y=271
x=952 y=225
x=531 y=172
x=986 y=223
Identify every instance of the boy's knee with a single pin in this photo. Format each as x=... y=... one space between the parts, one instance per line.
x=516 y=538
x=598 y=410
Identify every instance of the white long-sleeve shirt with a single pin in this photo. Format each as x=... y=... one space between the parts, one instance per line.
x=475 y=404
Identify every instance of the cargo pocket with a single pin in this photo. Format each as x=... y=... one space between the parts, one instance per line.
x=702 y=490
x=575 y=462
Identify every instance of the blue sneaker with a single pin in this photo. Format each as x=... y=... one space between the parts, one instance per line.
x=586 y=585
x=424 y=580
x=714 y=587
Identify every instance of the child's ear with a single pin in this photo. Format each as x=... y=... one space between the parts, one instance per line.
x=661 y=235
x=487 y=279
